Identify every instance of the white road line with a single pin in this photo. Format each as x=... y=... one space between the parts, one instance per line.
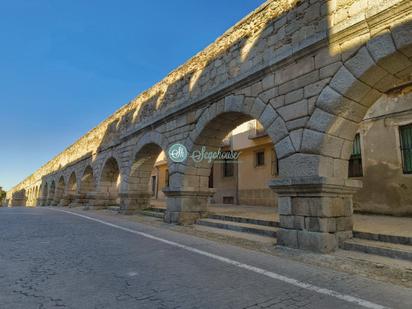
x=303 y=285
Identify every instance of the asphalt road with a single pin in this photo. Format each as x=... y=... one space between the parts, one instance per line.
x=51 y=259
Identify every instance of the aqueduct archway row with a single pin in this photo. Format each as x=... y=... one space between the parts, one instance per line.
x=309 y=103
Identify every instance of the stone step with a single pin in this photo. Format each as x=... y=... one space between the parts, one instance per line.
x=241 y=236
x=381 y=248
x=113 y=208
x=156 y=209
x=240 y=227
x=244 y=220
x=155 y=214
x=394 y=239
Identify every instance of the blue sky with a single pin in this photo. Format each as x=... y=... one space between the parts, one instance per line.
x=67 y=65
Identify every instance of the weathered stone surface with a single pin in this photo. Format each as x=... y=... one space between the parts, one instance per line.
x=294 y=96
x=284 y=148
x=346 y=84
x=294 y=110
x=319 y=242
x=292 y=222
x=364 y=67
x=287 y=238
x=384 y=52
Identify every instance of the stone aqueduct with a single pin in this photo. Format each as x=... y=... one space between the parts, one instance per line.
x=307 y=70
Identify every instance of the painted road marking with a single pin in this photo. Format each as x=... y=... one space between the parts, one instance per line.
x=303 y=285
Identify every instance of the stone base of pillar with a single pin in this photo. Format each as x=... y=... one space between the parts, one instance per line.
x=17 y=201
x=130 y=203
x=78 y=200
x=98 y=201
x=65 y=201
x=315 y=213
x=186 y=205
x=74 y=197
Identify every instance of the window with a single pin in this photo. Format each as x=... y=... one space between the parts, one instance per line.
x=355 y=161
x=259 y=158
x=405 y=134
x=228 y=168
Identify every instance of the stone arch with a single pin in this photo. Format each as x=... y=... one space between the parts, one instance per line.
x=87 y=181
x=324 y=219
x=143 y=159
x=86 y=189
x=51 y=194
x=72 y=184
x=44 y=192
x=28 y=196
x=60 y=187
x=220 y=119
x=71 y=190
x=191 y=178
x=110 y=182
x=37 y=196
x=384 y=63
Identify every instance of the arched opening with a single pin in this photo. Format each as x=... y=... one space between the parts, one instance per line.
x=52 y=192
x=381 y=157
x=109 y=183
x=28 y=197
x=87 y=186
x=87 y=183
x=324 y=220
x=217 y=143
x=145 y=180
x=71 y=192
x=44 y=193
x=367 y=116
x=59 y=191
x=37 y=196
x=38 y=191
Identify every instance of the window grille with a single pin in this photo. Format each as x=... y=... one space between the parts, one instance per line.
x=355 y=161
x=405 y=134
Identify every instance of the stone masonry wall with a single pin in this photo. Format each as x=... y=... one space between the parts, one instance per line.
x=275 y=33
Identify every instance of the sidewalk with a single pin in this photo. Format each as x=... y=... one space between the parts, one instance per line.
x=376 y=224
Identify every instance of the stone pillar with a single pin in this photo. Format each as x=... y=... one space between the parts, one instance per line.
x=17 y=201
x=74 y=200
x=130 y=203
x=65 y=200
x=186 y=205
x=79 y=199
x=99 y=200
x=91 y=201
x=315 y=213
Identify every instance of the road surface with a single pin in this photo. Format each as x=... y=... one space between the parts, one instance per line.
x=55 y=259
